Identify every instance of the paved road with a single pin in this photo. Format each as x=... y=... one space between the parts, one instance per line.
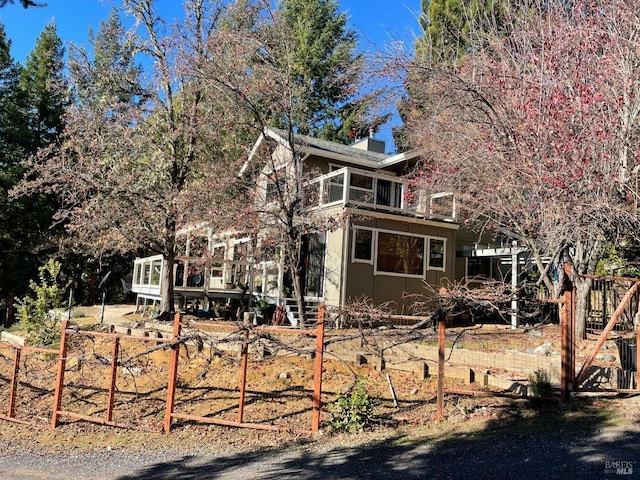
x=580 y=452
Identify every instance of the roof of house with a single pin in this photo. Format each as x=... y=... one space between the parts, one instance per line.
x=328 y=149
x=309 y=143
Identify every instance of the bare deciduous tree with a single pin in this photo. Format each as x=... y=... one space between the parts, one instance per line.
x=535 y=129
x=143 y=155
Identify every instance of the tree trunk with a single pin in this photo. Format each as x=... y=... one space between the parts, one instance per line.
x=300 y=279
x=583 y=290
x=166 y=283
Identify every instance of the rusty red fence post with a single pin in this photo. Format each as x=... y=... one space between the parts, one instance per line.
x=317 y=373
x=62 y=365
x=173 y=374
x=112 y=384
x=441 y=347
x=14 y=382
x=243 y=373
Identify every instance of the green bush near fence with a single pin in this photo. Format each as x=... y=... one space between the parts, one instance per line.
x=40 y=312
x=353 y=411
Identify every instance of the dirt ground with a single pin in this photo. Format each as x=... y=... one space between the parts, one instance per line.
x=278 y=391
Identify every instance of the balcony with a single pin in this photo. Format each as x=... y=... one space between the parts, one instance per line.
x=372 y=191
x=195 y=277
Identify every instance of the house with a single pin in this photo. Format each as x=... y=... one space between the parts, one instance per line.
x=388 y=242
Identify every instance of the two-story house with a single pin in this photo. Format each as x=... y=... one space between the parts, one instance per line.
x=387 y=243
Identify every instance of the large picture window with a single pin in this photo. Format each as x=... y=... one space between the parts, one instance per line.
x=395 y=253
x=400 y=254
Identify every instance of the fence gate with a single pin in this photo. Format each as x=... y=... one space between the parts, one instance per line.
x=612 y=357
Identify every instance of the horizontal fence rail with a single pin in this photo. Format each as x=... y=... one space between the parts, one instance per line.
x=26 y=368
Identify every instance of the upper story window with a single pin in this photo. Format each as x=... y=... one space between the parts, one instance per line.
x=361 y=188
x=276 y=183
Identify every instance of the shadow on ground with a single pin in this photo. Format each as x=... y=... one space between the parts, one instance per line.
x=547 y=441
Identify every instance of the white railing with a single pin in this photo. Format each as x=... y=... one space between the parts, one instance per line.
x=195 y=274
x=369 y=190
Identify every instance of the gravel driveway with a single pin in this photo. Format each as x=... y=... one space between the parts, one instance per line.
x=522 y=448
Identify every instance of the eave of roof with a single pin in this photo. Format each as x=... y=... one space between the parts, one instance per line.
x=334 y=151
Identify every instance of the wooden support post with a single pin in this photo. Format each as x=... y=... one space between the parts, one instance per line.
x=62 y=365
x=243 y=374
x=14 y=382
x=173 y=374
x=114 y=375
x=441 y=347
x=317 y=374
x=514 y=286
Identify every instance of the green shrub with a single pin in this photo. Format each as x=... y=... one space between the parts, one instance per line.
x=353 y=411
x=541 y=384
x=40 y=315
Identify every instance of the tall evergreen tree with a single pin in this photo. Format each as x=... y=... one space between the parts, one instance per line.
x=39 y=107
x=44 y=85
x=24 y=222
x=107 y=76
x=451 y=28
x=24 y=3
x=326 y=71
x=12 y=140
x=13 y=132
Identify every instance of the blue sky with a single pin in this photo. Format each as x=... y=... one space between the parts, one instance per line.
x=377 y=22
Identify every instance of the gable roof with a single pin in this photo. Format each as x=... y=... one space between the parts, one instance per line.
x=332 y=150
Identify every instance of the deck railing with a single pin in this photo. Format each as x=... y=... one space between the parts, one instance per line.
x=369 y=190
x=196 y=274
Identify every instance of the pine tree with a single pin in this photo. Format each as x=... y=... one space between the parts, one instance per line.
x=108 y=76
x=23 y=222
x=326 y=71
x=450 y=26
x=44 y=85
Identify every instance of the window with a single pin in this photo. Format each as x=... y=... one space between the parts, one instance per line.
x=146 y=279
x=156 y=266
x=217 y=264
x=400 y=254
x=395 y=253
x=334 y=188
x=137 y=274
x=478 y=267
x=363 y=246
x=436 y=253
x=361 y=188
x=276 y=183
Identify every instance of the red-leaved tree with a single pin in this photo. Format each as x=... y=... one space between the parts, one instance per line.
x=535 y=128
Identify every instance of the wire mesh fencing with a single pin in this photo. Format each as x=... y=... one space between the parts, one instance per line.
x=27 y=383
x=114 y=379
x=259 y=377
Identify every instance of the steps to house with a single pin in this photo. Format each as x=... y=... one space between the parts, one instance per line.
x=293 y=314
